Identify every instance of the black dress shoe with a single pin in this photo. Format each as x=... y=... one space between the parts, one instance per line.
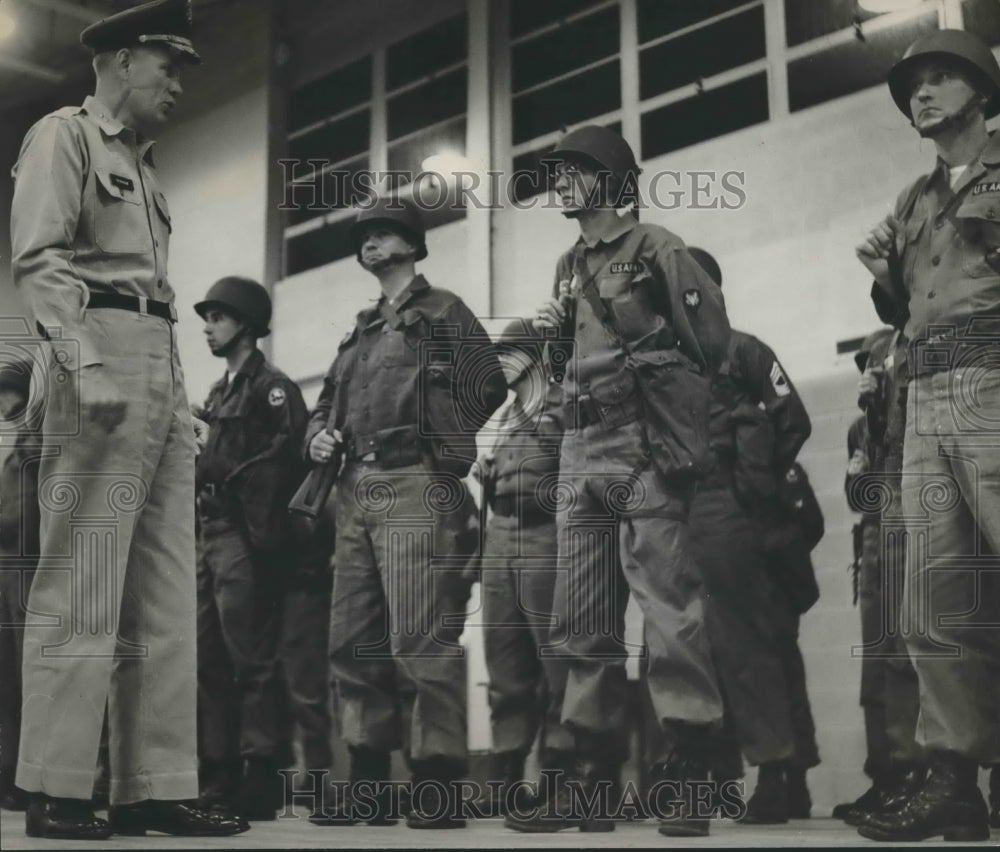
x=948 y=804
x=180 y=818
x=63 y=819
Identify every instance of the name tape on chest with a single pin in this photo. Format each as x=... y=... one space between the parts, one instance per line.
x=276 y=396
x=987 y=186
x=626 y=267
x=778 y=380
x=123 y=183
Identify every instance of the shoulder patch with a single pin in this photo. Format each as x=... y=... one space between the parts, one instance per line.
x=692 y=299
x=778 y=380
x=276 y=396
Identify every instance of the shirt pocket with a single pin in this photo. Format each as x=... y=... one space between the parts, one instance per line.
x=978 y=226
x=401 y=347
x=121 y=225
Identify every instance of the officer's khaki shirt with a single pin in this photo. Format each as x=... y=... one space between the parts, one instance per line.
x=88 y=215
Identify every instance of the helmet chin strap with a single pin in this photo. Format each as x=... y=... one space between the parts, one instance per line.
x=227 y=348
x=390 y=259
x=948 y=122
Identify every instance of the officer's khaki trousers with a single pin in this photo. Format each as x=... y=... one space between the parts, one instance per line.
x=621 y=532
x=951 y=607
x=112 y=608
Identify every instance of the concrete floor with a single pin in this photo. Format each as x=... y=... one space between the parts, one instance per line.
x=299 y=834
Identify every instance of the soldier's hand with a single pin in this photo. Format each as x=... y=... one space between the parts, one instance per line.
x=324 y=445
x=858 y=463
x=867 y=384
x=550 y=315
x=874 y=250
x=200 y=432
x=102 y=401
x=482 y=468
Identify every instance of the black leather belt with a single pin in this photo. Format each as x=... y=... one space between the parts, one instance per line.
x=590 y=412
x=399 y=446
x=136 y=304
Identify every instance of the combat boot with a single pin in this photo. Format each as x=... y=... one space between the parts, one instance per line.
x=369 y=775
x=769 y=803
x=434 y=801
x=675 y=797
x=948 y=804
x=505 y=778
x=573 y=798
x=799 y=800
x=995 y=796
x=219 y=781
x=868 y=802
x=260 y=792
x=897 y=787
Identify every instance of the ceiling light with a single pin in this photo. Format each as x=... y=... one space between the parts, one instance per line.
x=7 y=23
x=882 y=6
x=448 y=163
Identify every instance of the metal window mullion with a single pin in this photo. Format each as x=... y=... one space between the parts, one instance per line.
x=413 y=134
x=378 y=132
x=551 y=138
x=950 y=15
x=690 y=28
x=569 y=19
x=551 y=81
x=716 y=82
x=319 y=221
x=629 y=73
x=329 y=167
x=330 y=119
x=777 y=66
x=427 y=78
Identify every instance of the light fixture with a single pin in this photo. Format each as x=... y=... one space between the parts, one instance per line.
x=880 y=7
x=448 y=164
x=8 y=23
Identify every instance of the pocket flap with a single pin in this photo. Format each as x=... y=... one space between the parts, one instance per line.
x=120 y=186
x=613 y=390
x=161 y=206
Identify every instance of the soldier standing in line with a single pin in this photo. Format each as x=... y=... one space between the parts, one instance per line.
x=19 y=547
x=246 y=474
x=649 y=329
x=889 y=690
x=411 y=386
x=936 y=264
x=746 y=609
x=520 y=478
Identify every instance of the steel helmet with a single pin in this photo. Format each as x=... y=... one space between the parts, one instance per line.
x=396 y=214
x=603 y=146
x=972 y=54
x=707 y=262
x=244 y=298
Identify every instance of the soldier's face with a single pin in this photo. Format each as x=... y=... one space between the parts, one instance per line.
x=381 y=247
x=938 y=91
x=153 y=79
x=574 y=184
x=220 y=329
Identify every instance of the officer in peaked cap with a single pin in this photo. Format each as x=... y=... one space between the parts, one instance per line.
x=90 y=232
x=163 y=22
x=936 y=264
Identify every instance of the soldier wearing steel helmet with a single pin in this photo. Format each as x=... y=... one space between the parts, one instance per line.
x=648 y=327
x=411 y=385
x=936 y=264
x=246 y=474
x=520 y=484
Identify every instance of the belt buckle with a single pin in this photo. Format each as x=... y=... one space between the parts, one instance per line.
x=143 y=305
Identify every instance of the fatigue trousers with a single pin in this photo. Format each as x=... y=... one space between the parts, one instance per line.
x=398 y=610
x=889 y=690
x=951 y=606
x=239 y=619
x=623 y=531
x=15 y=582
x=805 y=750
x=526 y=688
x=112 y=607
x=302 y=664
x=742 y=608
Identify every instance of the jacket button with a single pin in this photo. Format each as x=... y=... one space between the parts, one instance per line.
x=935 y=260
x=583 y=325
x=159 y=284
x=931 y=294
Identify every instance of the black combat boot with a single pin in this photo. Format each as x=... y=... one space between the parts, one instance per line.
x=868 y=802
x=895 y=789
x=367 y=799
x=799 y=800
x=434 y=800
x=505 y=786
x=769 y=803
x=676 y=795
x=260 y=793
x=948 y=804
x=995 y=796
x=577 y=797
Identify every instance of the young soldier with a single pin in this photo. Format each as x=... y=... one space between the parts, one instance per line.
x=90 y=231
x=746 y=609
x=646 y=316
x=936 y=264
x=889 y=690
x=520 y=479
x=18 y=558
x=246 y=474
x=411 y=386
